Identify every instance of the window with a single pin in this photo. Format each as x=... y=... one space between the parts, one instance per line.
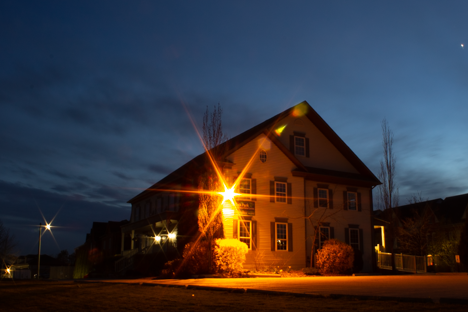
x=245 y=232
x=263 y=156
x=323 y=198
x=299 y=146
x=280 y=193
x=158 y=205
x=137 y=213
x=282 y=236
x=324 y=233
x=352 y=200
x=245 y=188
x=147 y=209
x=354 y=238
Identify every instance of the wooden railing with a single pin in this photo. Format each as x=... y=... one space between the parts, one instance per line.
x=404 y=263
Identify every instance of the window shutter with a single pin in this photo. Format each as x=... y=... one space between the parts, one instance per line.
x=359 y=202
x=345 y=200
x=291 y=144
x=254 y=188
x=330 y=199
x=273 y=236
x=289 y=192
x=307 y=147
x=332 y=232
x=315 y=197
x=290 y=237
x=254 y=235
x=346 y=235
x=361 y=240
x=272 y=191
x=317 y=237
x=234 y=229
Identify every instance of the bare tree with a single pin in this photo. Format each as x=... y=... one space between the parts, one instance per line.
x=213 y=134
x=7 y=245
x=209 y=213
x=388 y=192
x=412 y=235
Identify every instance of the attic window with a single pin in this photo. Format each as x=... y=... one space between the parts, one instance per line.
x=263 y=156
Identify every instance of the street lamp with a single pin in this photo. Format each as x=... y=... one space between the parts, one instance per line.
x=47 y=227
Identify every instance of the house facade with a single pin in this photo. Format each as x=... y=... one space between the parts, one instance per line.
x=299 y=185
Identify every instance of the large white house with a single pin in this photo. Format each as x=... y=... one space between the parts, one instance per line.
x=301 y=185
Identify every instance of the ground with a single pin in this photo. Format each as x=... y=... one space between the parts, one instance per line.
x=72 y=296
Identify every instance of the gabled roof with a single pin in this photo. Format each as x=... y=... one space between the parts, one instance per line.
x=267 y=128
x=453 y=208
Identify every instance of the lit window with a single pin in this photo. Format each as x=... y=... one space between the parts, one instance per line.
x=323 y=198
x=324 y=235
x=263 y=156
x=245 y=232
x=245 y=188
x=281 y=236
x=354 y=238
x=299 y=146
x=280 y=188
x=352 y=201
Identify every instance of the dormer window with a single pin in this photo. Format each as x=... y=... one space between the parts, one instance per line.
x=299 y=146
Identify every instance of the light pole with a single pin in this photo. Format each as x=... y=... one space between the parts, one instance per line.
x=39 y=252
x=47 y=227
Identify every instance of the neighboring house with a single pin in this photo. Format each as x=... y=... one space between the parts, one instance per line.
x=442 y=218
x=298 y=178
x=100 y=250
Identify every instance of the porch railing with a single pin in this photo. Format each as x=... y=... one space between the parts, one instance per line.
x=404 y=263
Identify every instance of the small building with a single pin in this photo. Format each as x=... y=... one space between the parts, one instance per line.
x=100 y=250
x=300 y=184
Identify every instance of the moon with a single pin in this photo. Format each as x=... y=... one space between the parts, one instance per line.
x=462 y=45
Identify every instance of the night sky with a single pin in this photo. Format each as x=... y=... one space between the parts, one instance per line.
x=92 y=94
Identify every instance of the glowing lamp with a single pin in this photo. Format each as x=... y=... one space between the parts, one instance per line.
x=171 y=236
x=157 y=238
x=48 y=226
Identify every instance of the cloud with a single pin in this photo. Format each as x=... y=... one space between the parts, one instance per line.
x=74 y=215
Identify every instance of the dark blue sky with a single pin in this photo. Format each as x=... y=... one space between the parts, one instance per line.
x=91 y=94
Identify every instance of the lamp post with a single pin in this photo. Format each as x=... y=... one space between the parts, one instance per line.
x=47 y=227
x=39 y=252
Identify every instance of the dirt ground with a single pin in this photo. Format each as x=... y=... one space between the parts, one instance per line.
x=72 y=296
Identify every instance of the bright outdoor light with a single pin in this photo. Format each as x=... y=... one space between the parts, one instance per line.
x=157 y=238
x=48 y=226
x=171 y=236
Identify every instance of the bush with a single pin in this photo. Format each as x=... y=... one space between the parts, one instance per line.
x=230 y=256
x=172 y=269
x=335 y=257
x=310 y=271
x=197 y=257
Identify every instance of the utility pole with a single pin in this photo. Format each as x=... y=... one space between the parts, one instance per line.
x=39 y=252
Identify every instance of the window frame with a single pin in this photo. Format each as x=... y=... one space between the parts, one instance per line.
x=321 y=242
x=296 y=146
x=284 y=198
x=263 y=156
x=348 y=201
x=281 y=239
x=243 y=197
x=240 y=225
x=319 y=199
x=351 y=243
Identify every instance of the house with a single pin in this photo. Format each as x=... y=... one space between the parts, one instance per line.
x=100 y=250
x=300 y=185
x=424 y=228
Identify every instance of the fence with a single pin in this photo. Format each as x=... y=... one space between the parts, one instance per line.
x=404 y=263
